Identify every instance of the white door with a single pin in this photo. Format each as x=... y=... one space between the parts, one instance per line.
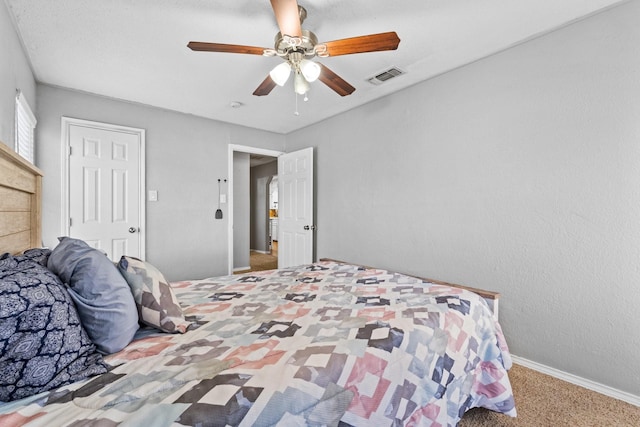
x=295 y=208
x=106 y=203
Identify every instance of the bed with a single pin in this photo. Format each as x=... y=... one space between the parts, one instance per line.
x=329 y=343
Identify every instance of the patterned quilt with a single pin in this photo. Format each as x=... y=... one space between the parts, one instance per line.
x=325 y=344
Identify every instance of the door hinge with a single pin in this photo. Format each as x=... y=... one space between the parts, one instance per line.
x=70 y=222
x=70 y=150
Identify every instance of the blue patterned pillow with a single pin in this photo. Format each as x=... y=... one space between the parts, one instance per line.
x=39 y=255
x=42 y=342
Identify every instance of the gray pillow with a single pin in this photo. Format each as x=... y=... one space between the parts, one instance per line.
x=102 y=296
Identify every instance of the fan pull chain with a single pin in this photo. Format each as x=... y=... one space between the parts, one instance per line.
x=296 y=113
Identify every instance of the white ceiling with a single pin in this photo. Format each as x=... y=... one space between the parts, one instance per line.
x=135 y=50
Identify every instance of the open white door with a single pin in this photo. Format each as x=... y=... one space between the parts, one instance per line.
x=295 y=208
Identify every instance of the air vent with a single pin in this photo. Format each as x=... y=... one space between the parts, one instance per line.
x=385 y=75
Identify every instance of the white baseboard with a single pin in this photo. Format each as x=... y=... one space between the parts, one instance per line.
x=242 y=268
x=579 y=381
x=261 y=252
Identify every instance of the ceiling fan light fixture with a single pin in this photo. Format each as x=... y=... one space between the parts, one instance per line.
x=300 y=84
x=297 y=46
x=310 y=70
x=280 y=73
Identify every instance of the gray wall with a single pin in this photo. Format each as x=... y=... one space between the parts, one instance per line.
x=241 y=210
x=185 y=155
x=260 y=178
x=518 y=173
x=15 y=73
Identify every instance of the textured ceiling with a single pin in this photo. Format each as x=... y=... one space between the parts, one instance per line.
x=136 y=50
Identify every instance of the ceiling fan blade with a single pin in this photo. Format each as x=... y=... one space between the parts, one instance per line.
x=335 y=82
x=227 y=48
x=287 y=16
x=265 y=87
x=361 y=44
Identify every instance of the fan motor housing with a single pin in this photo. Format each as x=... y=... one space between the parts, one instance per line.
x=305 y=44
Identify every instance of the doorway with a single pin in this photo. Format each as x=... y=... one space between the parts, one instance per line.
x=240 y=227
x=263 y=216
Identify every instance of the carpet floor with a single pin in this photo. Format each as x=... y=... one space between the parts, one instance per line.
x=543 y=401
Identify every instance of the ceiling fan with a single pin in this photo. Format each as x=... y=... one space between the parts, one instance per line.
x=297 y=46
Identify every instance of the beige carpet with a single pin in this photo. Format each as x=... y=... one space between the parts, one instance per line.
x=543 y=401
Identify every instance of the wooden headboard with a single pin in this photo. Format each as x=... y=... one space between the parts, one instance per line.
x=20 y=203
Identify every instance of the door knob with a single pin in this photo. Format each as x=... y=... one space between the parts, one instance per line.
x=309 y=227
x=132 y=229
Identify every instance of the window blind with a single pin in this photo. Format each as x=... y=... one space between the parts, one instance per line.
x=25 y=126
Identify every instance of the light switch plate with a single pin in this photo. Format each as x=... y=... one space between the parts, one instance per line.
x=223 y=198
x=153 y=195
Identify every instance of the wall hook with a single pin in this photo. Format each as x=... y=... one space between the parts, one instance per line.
x=219 y=211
